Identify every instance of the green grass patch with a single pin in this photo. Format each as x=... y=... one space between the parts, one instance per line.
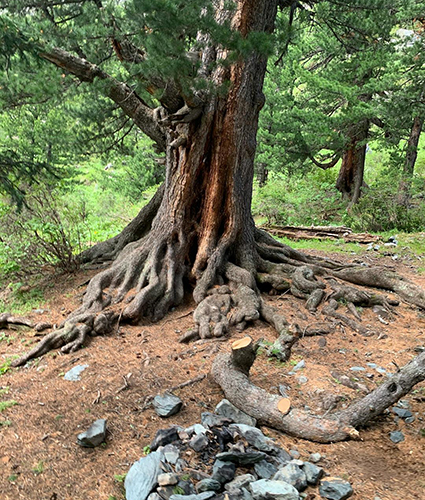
x=4 y=405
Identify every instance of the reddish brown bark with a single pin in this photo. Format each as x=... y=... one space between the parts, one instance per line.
x=350 y=178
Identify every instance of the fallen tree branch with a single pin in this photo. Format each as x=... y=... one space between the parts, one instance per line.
x=321 y=232
x=232 y=375
x=7 y=319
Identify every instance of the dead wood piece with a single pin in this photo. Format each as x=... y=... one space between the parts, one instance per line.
x=258 y=403
x=318 y=329
x=8 y=319
x=321 y=232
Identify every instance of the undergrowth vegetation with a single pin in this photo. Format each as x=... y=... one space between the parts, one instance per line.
x=58 y=221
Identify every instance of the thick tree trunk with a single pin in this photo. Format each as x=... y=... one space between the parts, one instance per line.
x=350 y=178
x=409 y=163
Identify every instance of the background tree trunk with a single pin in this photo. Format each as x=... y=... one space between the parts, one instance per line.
x=409 y=163
x=350 y=178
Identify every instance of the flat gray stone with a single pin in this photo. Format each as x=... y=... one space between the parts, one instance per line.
x=266 y=489
x=239 y=482
x=357 y=369
x=208 y=484
x=401 y=412
x=313 y=473
x=264 y=469
x=226 y=409
x=94 y=435
x=164 y=437
x=200 y=496
x=335 y=489
x=74 y=373
x=171 y=454
x=195 y=429
x=293 y=475
x=247 y=458
x=223 y=471
x=209 y=419
x=166 y=405
x=254 y=437
x=167 y=479
x=315 y=457
x=142 y=477
x=396 y=436
x=199 y=442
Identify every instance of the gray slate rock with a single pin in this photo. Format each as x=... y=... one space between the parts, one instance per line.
x=143 y=476
x=247 y=458
x=167 y=479
x=200 y=496
x=171 y=454
x=199 y=442
x=187 y=487
x=154 y=496
x=315 y=457
x=335 y=489
x=226 y=409
x=266 y=489
x=254 y=436
x=283 y=457
x=208 y=484
x=195 y=429
x=264 y=469
x=164 y=437
x=396 y=436
x=212 y=420
x=313 y=473
x=74 y=373
x=401 y=412
x=293 y=475
x=94 y=435
x=165 y=492
x=239 y=482
x=166 y=405
x=223 y=471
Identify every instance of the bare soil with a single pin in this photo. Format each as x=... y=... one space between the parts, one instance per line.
x=39 y=457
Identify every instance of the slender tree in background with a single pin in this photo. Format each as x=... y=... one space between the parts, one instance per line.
x=191 y=79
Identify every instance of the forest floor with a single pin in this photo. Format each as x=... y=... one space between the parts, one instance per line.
x=39 y=457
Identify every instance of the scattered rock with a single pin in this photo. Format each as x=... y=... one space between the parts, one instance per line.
x=396 y=436
x=303 y=379
x=200 y=496
x=223 y=472
x=94 y=435
x=74 y=373
x=315 y=457
x=208 y=484
x=247 y=458
x=264 y=469
x=212 y=420
x=293 y=475
x=171 y=454
x=239 y=482
x=335 y=489
x=166 y=405
x=357 y=369
x=199 y=442
x=294 y=454
x=313 y=473
x=226 y=409
x=195 y=429
x=254 y=436
x=164 y=437
x=143 y=476
x=266 y=489
x=297 y=367
x=322 y=342
x=168 y=479
x=401 y=412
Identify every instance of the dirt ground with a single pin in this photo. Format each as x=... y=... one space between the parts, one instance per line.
x=39 y=457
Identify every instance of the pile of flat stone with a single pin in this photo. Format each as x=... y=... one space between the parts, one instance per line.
x=225 y=457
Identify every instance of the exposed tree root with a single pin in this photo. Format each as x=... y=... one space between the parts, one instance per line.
x=148 y=278
x=231 y=371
